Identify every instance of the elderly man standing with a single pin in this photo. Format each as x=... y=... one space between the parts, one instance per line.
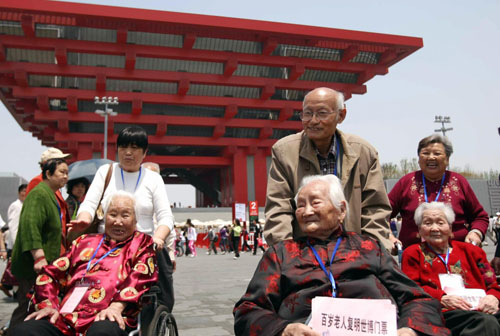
x=322 y=149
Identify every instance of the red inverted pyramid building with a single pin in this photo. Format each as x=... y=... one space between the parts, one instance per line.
x=213 y=93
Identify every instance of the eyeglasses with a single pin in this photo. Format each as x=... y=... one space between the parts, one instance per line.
x=308 y=115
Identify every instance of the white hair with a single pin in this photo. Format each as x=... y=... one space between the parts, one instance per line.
x=120 y=193
x=339 y=97
x=444 y=207
x=335 y=191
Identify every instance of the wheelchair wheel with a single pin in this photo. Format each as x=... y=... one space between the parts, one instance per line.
x=162 y=324
x=180 y=251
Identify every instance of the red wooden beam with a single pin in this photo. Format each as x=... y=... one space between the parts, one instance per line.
x=219 y=130
x=90 y=117
x=173 y=76
x=28 y=25
x=3 y=56
x=100 y=82
x=297 y=71
x=130 y=59
x=183 y=87
x=109 y=17
x=21 y=77
x=173 y=140
x=230 y=67
x=61 y=56
x=107 y=48
x=189 y=40
x=161 y=129
x=189 y=161
x=387 y=56
x=231 y=111
x=121 y=35
x=350 y=53
x=265 y=132
x=136 y=107
x=269 y=46
x=42 y=102
x=156 y=98
x=267 y=91
x=72 y=104
x=286 y=113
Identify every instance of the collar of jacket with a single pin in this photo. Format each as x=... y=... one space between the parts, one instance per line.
x=308 y=152
x=46 y=189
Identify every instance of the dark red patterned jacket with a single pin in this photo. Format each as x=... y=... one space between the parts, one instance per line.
x=288 y=277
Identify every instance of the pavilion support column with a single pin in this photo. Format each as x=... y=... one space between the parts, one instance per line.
x=84 y=151
x=260 y=176
x=239 y=176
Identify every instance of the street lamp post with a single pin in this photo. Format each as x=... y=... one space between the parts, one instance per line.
x=105 y=113
x=443 y=120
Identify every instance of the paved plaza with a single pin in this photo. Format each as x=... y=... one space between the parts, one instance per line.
x=206 y=289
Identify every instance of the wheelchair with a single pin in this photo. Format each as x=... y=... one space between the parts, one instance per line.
x=154 y=319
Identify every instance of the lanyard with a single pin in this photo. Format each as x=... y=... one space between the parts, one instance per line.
x=425 y=188
x=90 y=265
x=60 y=212
x=136 y=183
x=320 y=262
x=445 y=262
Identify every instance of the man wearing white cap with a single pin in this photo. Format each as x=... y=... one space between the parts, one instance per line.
x=52 y=153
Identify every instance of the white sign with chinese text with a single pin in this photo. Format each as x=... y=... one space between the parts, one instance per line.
x=240 y=212
x=471 y=295
x=353 y=317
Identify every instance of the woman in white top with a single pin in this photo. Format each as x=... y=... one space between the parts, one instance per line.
x=191 y=237
x=147 y=187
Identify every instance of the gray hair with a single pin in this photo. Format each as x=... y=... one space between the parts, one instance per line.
x=444 y=207
x=436 y=138
x=335 y=191
x=339 y=97
x=124 y=194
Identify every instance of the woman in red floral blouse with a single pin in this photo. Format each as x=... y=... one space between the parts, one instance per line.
x=110 y=270
x=289 y=276
x=434 y=183
x=444 y=267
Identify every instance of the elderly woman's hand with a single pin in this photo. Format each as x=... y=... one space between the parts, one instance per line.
x=473 y=238
x=406 y=332
x=112 y=313
x=495 y=263
x=299 y=329
x=455 y=302
x=78 y=225
x=160 y=243
x=44 y=313
x=488 y=304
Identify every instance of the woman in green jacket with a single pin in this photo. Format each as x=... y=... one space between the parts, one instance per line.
x=38 y=240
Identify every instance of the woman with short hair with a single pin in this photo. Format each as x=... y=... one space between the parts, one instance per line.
x=147 y=187
x=434 y=183
x=328 y=261
x=436 y=260
x=39 y=236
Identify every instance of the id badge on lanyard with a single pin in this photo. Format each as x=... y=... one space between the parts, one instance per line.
x=76 y=296
x=449 y=280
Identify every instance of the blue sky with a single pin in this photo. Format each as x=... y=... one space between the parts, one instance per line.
x=454 y=74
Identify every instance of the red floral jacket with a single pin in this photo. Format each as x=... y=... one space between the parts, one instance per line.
x=288 y=277
x=124 y=275
x=423 y=266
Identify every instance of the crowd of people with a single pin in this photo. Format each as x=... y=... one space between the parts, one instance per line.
x=327 y=228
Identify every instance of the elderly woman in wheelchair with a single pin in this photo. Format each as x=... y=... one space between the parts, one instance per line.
x=101 y=279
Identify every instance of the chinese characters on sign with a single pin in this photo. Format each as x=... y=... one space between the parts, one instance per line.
x=343 y=322
x=356 y=317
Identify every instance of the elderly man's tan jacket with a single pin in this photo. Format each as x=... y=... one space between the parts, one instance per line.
x=294 y=157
